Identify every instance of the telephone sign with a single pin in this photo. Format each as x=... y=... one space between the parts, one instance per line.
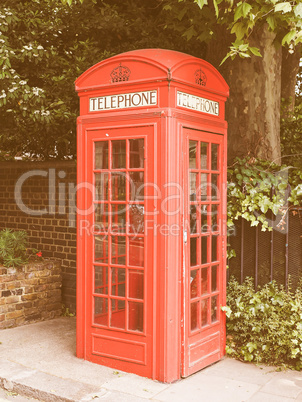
x=123 y=101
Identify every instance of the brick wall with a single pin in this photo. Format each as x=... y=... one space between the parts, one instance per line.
x=39 y=197
x=30 y=293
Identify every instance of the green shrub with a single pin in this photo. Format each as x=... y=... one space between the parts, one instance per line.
x=13 y=248
x=264 y=326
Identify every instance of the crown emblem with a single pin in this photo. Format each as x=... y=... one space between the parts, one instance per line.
x=200 y=77
x=120 y=74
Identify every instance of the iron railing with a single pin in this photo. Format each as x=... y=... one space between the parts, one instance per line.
x=270 y=255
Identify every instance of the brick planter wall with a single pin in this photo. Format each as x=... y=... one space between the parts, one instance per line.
x=30 y=293
x=51 y=190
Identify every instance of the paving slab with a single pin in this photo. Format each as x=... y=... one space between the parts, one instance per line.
x=216 y=388
x=50 y=346
x=286 y=384
x=135 y=385
x=246 y=372
x=263 y=397
x=39 y=361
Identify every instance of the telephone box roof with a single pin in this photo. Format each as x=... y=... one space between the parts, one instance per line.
x=152 y=65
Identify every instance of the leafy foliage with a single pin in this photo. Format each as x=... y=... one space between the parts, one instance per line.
x=291 y=139
x=239 y=19
x=258 y=189
x=13 y=248
x=45 y=46
x=264 y=326
x=291 y=129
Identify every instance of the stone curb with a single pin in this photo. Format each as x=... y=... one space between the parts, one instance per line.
x=45 y=387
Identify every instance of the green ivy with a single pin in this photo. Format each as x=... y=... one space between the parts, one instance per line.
x=264 y=326
x=290 y=134
x=257 y=189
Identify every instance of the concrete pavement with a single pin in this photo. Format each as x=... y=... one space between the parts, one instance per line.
x=38 y=361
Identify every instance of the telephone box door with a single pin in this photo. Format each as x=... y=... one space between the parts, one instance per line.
x=204 y=333
x=118 y=317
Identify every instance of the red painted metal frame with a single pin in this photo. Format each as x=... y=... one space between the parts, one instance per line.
x=204 y=344
x=167 y=287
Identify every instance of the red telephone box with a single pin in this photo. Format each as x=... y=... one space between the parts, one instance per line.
x=151 y=214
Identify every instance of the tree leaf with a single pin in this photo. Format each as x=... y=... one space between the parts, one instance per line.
x=271 y=22
x=238 y=12
x=246 y=8
x=189 y=33
x=201 y=3
x=225 y=58
x=255 y=51
x=216 y=8
x=298 y=10
x=239 y=30
x=285 y=7
x=181 y=14
x=289 y=37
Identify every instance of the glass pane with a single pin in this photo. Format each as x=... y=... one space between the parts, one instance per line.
x=203 y=188
x=136 y=186
x=214 y=308
x=204 y=249
x=118 y=186
x=192 y=154
x=214 y=187
x=118 y=220
x=118 y=290
x=136 y=153
x=118 y=282
x=204 y=312
x=194 y=321
x=101 y=249
x=136 y=316
x=193 y=219
x=101 y=186
x=204 y=146
x=204 y=281
x=136 y=251
x=204 y=218
x=214 y=278
x=136 y=217
x=214 y=217
x=194 y=283
x=101 y=155
x=193 y=251
x=119 y=154
x=101 y=218
x=121 y=304
x=118 y=315
x=136 y=284
x=100 y=311
x=118 y=250
x=214 y=155
x=101 y=280
x=117 y=275
x=193 y=186
x=214 y=248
